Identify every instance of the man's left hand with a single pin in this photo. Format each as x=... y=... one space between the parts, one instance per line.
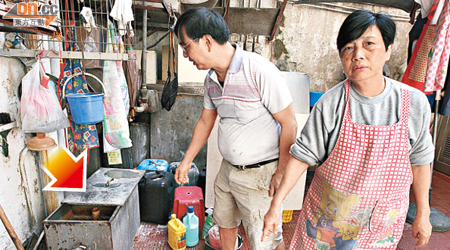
x=275 y=183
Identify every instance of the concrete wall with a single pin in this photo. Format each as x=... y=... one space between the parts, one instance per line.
x=307 y=41
x=171 y=131
x=12 y=179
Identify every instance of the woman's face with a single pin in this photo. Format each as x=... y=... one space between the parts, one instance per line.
x=363 y=59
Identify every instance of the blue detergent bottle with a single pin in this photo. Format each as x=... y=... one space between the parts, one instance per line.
x=191 y=223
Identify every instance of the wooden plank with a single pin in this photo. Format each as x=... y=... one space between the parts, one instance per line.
x=15 y=29
x=277 y=22
x=9 y=228
x=227 y=12
x=137 y=6
x=52 y=198
x=8 y=126
x=251 y=20
x=153 y=16
x=66 y=54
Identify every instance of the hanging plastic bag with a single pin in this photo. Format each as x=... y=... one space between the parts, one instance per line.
x=40 y=111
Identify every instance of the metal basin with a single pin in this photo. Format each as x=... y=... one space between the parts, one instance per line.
x=117 y=174
x=209 y=247
x=80 y=213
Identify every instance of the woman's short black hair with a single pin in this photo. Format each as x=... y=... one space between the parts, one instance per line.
x=357 y=23
x=202 y=21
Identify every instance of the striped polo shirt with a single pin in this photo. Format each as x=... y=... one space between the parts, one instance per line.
x=253 y=90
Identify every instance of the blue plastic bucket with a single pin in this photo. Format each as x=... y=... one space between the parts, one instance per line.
x=86 y=108
x=154 y=164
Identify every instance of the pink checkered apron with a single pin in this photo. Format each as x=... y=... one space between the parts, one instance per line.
x=359 y=196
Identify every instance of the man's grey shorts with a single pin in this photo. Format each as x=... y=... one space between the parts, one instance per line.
x=244 y=194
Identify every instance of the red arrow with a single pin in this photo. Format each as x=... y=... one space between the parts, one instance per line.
x=67 y=172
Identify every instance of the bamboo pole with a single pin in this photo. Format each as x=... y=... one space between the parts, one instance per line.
x=52 y=198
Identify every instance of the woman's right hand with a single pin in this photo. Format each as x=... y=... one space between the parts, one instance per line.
x=271 y=221
x=421 y=228
x=181 y=173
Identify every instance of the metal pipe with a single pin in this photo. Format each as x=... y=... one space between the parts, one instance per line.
x=435 y=124
x=144 y=48
x=39 y=240
x=24 y=184
x=160 y=39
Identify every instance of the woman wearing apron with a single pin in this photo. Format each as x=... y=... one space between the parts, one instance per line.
x=369 y=135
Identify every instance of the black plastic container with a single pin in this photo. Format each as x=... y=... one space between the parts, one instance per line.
x=140 y=136
x=202 y=181
x=193 y=174
x=93 y=160
x=126 y=154
x=156 y=196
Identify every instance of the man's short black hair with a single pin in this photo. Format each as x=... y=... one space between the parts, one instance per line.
x=202 y=21
x=357 y=23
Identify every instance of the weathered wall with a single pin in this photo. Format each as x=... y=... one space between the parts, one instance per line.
x=307 y=41
x=171 y=131
x=12 y=180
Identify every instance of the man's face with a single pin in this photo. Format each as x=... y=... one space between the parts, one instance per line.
x=193 y=49
x=363 y=59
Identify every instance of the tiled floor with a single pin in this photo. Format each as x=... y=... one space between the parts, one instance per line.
x=153 y=236
x=440 y=200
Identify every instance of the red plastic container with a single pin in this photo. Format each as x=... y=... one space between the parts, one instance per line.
x=190 y=196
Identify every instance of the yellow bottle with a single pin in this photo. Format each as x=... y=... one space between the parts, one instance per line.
x=177 y=234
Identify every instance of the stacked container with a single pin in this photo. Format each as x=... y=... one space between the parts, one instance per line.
x=156 y=196
x=191 y=223
x=177 y=234
x=193 y=174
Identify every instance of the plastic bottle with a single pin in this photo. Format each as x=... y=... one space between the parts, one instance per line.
x=208 y=222
x=190 y=221
x=177 y=234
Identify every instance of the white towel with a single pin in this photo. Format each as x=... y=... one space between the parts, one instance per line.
x=122 y=12
x=87 y=18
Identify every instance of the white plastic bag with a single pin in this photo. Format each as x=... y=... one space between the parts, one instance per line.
x=40 y=111
x=214 y=237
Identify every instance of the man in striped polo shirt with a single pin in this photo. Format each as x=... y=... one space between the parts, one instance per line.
x=257 y=126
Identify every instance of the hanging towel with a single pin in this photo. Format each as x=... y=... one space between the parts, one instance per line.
x=414 y=34
x=116 y=134
x=415 y=73
x=121 y=73
x=123 y=14
x=425 y=6
x=438 y=64
x=87 y=19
